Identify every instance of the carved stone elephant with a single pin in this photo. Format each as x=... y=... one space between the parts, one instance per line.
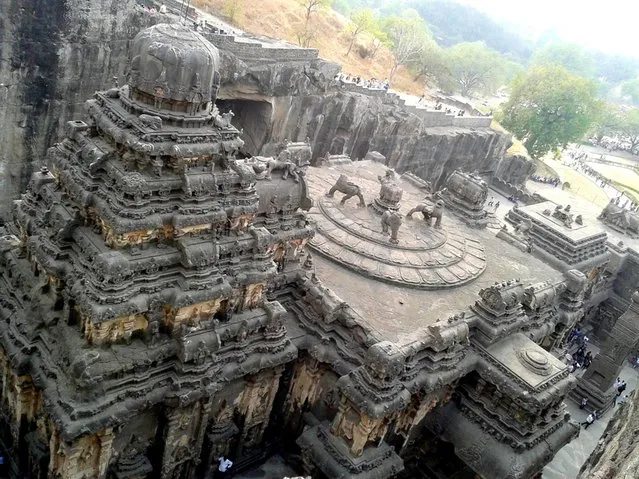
x=429 y=213
x=349 y=189
x=392 y=220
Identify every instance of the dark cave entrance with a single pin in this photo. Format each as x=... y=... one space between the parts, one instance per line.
x=255 y=117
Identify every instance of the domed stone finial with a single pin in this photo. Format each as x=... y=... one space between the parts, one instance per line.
x=174 y=68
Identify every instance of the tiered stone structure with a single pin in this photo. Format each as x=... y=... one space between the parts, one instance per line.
x=160 y=306
x=134 y=280
x=597 y=382
x=619 y=219
x=559 y=238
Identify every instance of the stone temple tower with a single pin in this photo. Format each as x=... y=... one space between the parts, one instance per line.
x=136 y=339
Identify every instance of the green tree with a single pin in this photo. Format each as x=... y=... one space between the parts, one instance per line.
x=408 y=36
x=630 y=127
x=608 y=122
x=573 y=58
x=378 y=38
x=549 y=108
x=431 y=64
x=306 y=34
x=630 y=89
x=362 y=21
x=473 y=67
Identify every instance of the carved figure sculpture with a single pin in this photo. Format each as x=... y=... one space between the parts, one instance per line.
x=429 y=213
x=151 y=121
x=348 y=188
x=564 y=215
x=392 y=220
x=265 y=166
x=224 y=120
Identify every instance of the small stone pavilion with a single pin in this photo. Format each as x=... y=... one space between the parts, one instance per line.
x=166 y=301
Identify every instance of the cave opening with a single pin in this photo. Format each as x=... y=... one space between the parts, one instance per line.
x=255 y=117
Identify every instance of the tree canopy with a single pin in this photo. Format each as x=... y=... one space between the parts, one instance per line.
x=549 y=108
x=572 y=57
x=408 y=36
x=362 y=21
x=473 y=67
x=630 y=89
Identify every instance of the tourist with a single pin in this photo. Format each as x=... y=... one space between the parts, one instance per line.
x=223 y=467
x=589 y=420
x=496 y=205
x=587 y=360
x=621 y=388
x=568 y=358
x=583 y=403
x=163 y=9
x=573 y=334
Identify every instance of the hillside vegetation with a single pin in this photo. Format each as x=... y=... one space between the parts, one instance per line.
x=284 y=18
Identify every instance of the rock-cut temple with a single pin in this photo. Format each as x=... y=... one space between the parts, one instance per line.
x=167 y=300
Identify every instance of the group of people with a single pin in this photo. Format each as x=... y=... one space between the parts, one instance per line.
x=581 y=358
x=372 y=84
x=546 y=180
x=162 y=9
x=439 y=106
x=492 y=203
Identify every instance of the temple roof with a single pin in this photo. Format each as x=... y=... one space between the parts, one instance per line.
x=401 y=311
x=174 y=59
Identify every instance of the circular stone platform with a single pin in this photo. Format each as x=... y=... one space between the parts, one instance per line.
x=425 y=258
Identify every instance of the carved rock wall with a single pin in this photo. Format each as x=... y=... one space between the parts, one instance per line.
x=354 y=124
x=54 y=54
x=617 y=454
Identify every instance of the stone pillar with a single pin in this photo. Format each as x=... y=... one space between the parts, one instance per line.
x=87 y=456
x=597 y=383
x=256 y=404
x=183 y=440
x=571 y=307
x=371 y=397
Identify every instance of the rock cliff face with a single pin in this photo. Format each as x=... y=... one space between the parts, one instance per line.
x=617 y=454
x=53 y=55
x=56 y=53
x=354 y=124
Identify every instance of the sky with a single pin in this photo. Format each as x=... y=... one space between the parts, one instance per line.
x=609 y=26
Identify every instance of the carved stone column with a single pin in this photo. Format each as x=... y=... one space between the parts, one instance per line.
x=371 y=397
x=87 y=456
x=256 y=404
x=597 y=383
x=183 y=440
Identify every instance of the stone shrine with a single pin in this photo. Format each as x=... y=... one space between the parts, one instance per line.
x=160 y=307
x=465 y=195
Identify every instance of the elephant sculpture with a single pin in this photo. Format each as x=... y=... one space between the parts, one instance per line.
x=392 y=220
x=348 y=188
x=429 y=213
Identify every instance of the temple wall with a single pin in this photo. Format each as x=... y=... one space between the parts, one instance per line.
x=54 y=54
x=352 y=124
